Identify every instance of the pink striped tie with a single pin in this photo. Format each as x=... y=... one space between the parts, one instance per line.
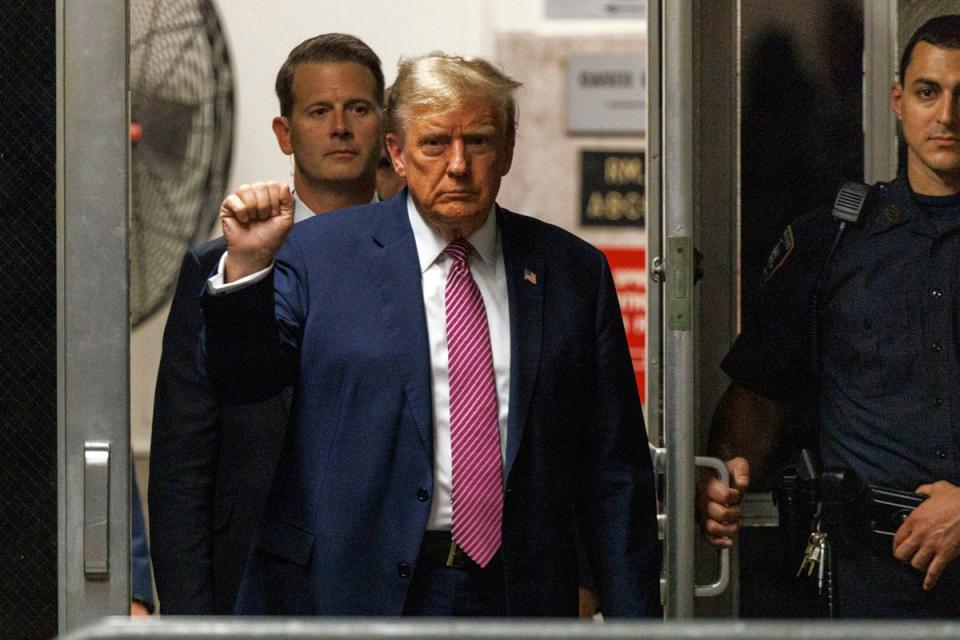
x=474 y=431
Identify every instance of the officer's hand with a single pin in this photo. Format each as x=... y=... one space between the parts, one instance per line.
x=718 y=506
x=930 y=537
x=255 y=221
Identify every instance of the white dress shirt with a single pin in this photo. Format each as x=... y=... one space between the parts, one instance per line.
x=301 y=211
x=486 y=266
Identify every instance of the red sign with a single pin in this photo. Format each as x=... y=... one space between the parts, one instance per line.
x=629 y=267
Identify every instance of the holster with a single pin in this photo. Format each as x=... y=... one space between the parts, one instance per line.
x=850 y=511
x=841 y=506
x=796 y=494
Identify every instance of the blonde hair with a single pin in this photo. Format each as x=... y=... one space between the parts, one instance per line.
x=442 y=82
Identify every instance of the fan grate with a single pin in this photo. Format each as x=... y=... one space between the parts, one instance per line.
x=182 y=97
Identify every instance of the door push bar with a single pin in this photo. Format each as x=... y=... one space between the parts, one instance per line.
x=96 y=510
x=658 y=455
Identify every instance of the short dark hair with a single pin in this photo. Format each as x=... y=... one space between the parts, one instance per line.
x=942 y=31
x=327 y=47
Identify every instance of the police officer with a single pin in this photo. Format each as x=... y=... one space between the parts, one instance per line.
x=887 y=380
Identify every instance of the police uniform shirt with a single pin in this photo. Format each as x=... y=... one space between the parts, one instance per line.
x=888 y=338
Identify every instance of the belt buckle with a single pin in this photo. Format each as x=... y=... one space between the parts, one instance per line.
x=452 y=554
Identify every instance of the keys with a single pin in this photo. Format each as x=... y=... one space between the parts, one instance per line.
x=813 y=554
x=824 y=549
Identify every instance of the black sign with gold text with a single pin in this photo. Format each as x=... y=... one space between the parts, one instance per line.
x=612 y=188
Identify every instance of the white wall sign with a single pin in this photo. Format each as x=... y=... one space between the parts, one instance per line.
x=596 y=9
x=606 y=94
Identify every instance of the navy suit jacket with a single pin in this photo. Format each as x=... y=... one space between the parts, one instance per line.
x=210 y=463
x=343 y=320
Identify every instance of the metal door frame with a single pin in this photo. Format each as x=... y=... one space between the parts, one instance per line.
x=676 y=250
x=691 y=131
x=880 y=53
x=92 y=309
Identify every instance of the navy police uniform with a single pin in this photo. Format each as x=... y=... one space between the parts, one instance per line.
x=889 y=366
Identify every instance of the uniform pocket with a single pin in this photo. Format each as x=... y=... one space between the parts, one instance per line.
x=872 y=344
x=901 y=345
x=855 y=356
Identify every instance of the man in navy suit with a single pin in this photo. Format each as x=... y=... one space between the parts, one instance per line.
x=379 y=506
x=211 y=464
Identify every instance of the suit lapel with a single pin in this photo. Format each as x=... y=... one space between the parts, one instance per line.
x=526 y=280
x=395 y=270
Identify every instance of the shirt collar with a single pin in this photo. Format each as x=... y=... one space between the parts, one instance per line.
x=897 y=205
x=430 y=243
x=302 y=212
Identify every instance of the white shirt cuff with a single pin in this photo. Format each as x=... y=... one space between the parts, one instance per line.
x=217 y=286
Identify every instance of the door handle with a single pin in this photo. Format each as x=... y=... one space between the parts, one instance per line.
x=723 y=578
x=96 y=510
x=658 y=456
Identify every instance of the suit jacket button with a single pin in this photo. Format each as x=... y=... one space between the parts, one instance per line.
x=423 y=495
x=403 y=570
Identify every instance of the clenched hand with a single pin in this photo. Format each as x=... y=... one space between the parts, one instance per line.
x=255 y=221
x=718 y=505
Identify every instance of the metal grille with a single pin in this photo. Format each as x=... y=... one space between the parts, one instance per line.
x=28 y=308
x=182 y=100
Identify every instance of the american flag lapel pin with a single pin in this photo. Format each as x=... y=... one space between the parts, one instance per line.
x=530 y=276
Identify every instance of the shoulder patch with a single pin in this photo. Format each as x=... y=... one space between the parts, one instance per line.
x=780 y=254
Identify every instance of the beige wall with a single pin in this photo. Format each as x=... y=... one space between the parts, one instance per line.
x=545 y=177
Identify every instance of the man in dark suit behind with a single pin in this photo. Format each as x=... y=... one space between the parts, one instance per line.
x=464 y=396
x=211 y=464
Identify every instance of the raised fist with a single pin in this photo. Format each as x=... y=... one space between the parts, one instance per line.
x=255 y=220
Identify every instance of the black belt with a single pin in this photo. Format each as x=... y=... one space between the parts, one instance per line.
x=439 y=546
